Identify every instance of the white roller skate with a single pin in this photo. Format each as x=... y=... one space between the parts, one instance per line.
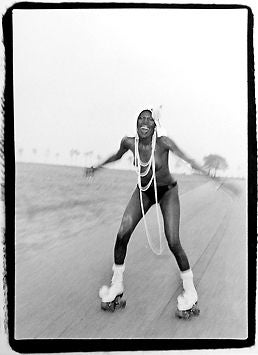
x=187 y=301
x=111 y=297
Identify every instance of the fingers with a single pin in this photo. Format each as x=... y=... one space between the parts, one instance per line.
x=89 y=172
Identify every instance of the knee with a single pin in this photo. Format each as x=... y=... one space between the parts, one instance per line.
x=125 y=229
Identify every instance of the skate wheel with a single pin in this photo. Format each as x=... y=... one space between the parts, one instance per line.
x=123 y=303
x=108 y=306
x=195 y=310
x=119 y=302
x=182 y=314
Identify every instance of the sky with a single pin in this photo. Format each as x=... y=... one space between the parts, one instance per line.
x=81 y=77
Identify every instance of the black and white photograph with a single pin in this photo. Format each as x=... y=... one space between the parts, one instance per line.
x=130 y=141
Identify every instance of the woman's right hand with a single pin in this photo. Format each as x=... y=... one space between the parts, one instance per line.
x=89 y=172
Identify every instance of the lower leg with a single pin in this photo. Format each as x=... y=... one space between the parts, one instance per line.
x=120 y=249
x=171 y=213
x=179 y=254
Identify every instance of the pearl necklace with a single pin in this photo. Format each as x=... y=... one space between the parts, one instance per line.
x=147 y=164
x=139 y=164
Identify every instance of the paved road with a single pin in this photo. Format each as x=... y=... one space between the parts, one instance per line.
x=57 y=291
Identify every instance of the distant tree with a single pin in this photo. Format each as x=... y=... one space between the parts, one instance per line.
x=214 y=162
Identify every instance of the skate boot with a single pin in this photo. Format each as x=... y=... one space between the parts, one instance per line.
x=112 y=296
x=187 y=302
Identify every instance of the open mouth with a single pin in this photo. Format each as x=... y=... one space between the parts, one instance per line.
x=144 y=129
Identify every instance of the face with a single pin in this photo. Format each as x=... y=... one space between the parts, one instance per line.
x=145 y=124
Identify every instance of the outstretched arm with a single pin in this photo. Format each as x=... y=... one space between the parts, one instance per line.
x=114 y=157
x=171 y=145
x=227 y=186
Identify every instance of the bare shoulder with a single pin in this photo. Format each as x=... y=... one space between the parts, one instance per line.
x=127 y=142
x=166 y=142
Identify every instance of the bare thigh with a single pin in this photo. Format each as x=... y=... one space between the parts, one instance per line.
x=131 y=217
x=170 y=207
x=133 y=212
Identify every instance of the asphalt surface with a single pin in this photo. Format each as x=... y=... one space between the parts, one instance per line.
x=57 y=289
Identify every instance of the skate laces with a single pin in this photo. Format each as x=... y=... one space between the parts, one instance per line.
x=148 y=165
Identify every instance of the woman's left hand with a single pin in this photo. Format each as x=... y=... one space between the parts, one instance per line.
x=89 y=172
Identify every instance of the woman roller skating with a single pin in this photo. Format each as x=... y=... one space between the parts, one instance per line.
x=155 y=186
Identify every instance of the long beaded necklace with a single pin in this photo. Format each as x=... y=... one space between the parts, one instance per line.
x=150 y=163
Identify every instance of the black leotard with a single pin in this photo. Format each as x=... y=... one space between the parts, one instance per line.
x=161 y=190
